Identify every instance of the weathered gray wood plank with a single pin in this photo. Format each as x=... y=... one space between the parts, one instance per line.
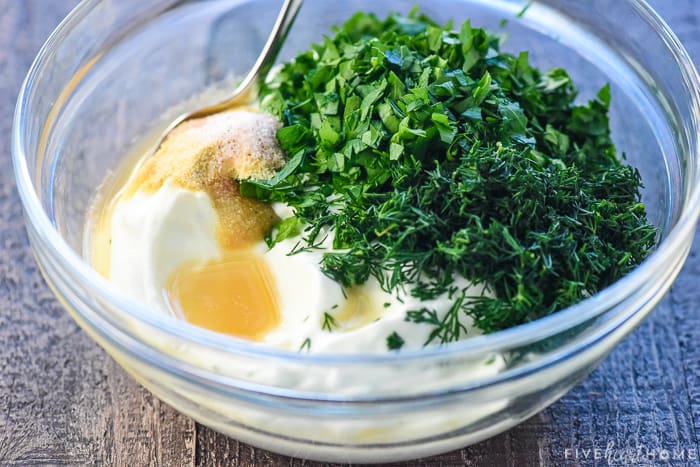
x=64 y=402
x=62 y=399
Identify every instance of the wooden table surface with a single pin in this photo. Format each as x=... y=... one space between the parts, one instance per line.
x=63 y=401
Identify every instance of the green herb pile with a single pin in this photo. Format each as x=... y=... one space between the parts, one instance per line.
x=431 y=154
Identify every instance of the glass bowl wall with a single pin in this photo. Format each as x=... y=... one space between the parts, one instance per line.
x=116 y=72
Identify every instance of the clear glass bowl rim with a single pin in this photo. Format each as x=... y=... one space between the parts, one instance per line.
x=508 y=339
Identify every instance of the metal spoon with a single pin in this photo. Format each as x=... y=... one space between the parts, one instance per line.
x=249 y=87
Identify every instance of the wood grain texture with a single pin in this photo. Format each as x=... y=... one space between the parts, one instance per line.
x=63 y=401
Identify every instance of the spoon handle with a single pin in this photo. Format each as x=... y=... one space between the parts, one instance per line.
x=249 y=87
x=267 y=57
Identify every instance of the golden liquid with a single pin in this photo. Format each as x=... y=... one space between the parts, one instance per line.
x=358 y=311
x=235 y=295
x=99 y=224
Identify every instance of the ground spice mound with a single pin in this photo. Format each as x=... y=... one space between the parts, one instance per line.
x=213 y=154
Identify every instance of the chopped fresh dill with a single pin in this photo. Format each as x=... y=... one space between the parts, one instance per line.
x=306 y=345
x=430 y=154
x=448 y=328
x=329 y=322
x=522 y=12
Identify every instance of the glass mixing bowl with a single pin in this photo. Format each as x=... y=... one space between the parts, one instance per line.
x=115 y=72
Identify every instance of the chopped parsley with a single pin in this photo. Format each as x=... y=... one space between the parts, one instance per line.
x=394 y=341
x=431 y=154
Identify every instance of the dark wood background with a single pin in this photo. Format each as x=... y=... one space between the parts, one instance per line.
x=64 y=401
